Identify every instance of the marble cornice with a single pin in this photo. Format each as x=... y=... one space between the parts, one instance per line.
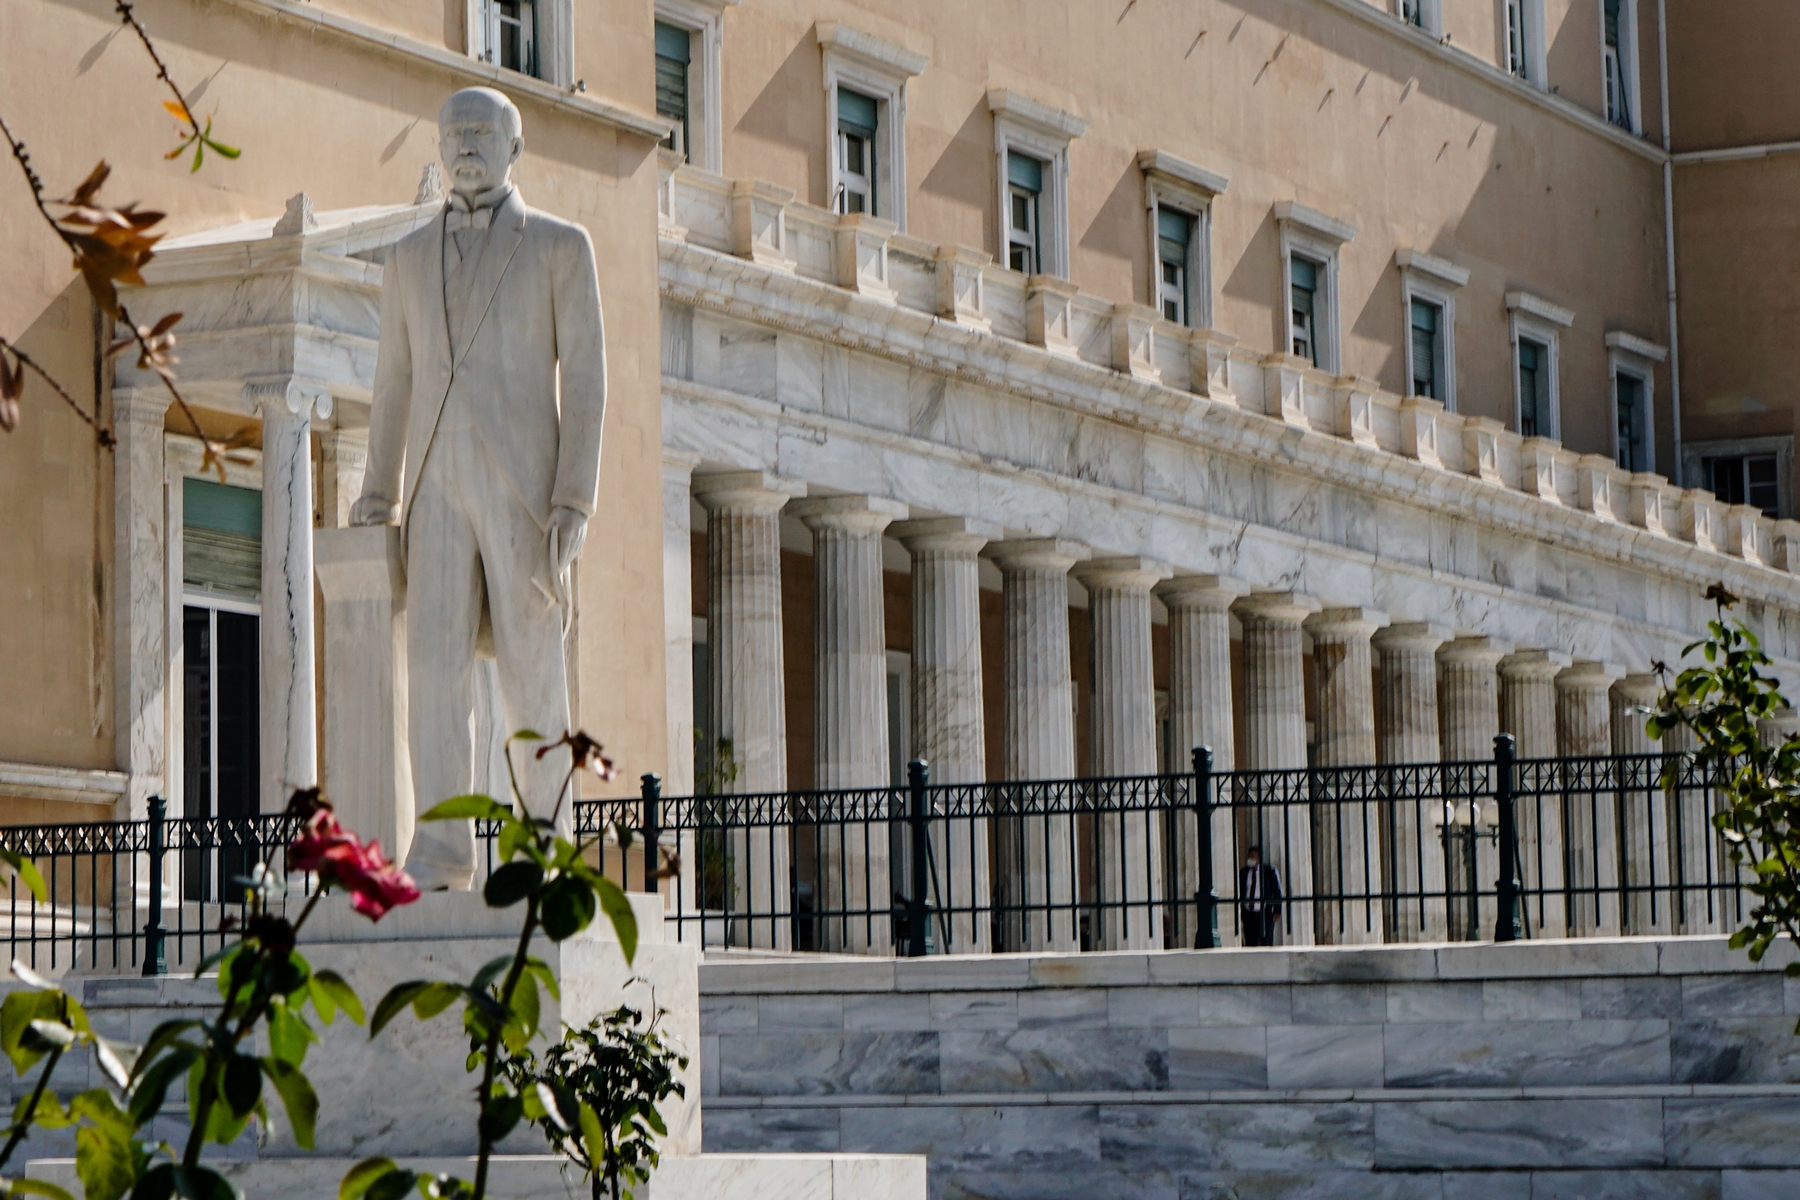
x=734 y=287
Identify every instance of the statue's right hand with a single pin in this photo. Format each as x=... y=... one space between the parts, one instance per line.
x=373 y=510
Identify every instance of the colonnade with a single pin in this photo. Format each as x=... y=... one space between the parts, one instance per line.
x=1385 y=690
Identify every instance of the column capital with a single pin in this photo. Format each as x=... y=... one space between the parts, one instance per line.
x=760 y=491
x=1425 y=636
x=1587 y=673
x=1042 y=554
x=678 y=465
x=1215 y=592
x=1475 y=651
x=1122 y=574
x=866 y=515
x=1344 y=624
x=288 y=395
x=1278 y=607
x=1534 y=664
x=956 y=535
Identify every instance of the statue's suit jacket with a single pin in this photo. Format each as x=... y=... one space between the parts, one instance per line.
x=534 y=306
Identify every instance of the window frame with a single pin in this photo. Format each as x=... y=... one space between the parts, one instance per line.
x=1532 y=65
x=553 y=39
x=1034 y=241
x=704 y=20
x=1638 y=359
x=1695 y=454
x=1043 y=133
x=1435 y=281
x=1628 y=65
x=1431 y=16
x=1536 y=319
x=1189 y=189
x=880 y=70
x=1312 y=235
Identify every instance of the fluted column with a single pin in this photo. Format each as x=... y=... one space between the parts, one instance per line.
x=1037 y=854
x=850 y=718
x=1200 y=714
x=1590 y=816
x=1644 y=813
x=1275 y=739
x=747 y=700
x=1407 y=736
x=1528 y=713
x=948 y=725
x=1469 y=716
x=1129 y=846
x=1346 y=834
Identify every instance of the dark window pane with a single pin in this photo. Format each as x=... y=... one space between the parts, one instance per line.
x=1024 y=171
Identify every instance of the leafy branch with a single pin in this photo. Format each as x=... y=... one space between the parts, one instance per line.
x=197 y=136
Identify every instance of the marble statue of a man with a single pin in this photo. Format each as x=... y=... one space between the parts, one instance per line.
x=484 y=444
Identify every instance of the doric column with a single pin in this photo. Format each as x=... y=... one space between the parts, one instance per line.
x=948 y=724
x=1528 y=712
x=1038 y=853
x=1275 y=740
x=1346 y=835
x=1200 y=714
x=850 y=719
x=748 y=697
x=141 y=597
x=1644 y=812
x=1469 y=717
x=288 y=692
x=1407 y=736
x=1129 y=845
x=1584 y=729
x=678 y=652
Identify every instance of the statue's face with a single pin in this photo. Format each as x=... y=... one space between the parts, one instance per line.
x=478 y=145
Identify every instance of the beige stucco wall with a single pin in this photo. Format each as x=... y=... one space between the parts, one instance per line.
x=350 y=126
x=1292 y=99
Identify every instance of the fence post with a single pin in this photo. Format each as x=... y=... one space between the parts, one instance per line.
x=1206 y=898
x=1506 y=924
x=918 y=776
x=155 y=962
x=651 y=790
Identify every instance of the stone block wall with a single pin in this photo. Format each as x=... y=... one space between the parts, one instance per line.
x=1599 y=1068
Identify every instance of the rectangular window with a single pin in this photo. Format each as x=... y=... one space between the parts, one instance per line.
x=858 y=120
x=1174 y=248
x=1427 y=349
x=509 y=34
x=1516 y=56
x=1618 y=102
x=1634 y=424
x=1413 y=12
x=1534 y=389
x=1303 y=304
x=674 y=52
x=1752 y=479
x=1024 y=219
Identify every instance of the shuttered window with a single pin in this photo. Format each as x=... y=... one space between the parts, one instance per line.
x=221 y=538
x=858 y=118
x=674 y=50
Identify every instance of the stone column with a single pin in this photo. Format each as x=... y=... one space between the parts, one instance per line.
x=1590 y=815
x=1200 y=714
x=1275 y=740
x=368 y=769
x=140 y=598
x=1528 y=712
x=748 y=695
x=289 y=731
x=1645 y=812
x=948 y=725
x=343 y=458
x=1129 y=845
x=1469 y=718
x=1037 y=854
x=850 y=718
x=678 y=659
x=1347 y=834
x=1407 y=740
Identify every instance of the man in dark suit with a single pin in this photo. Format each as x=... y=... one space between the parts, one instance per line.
x=1259 y=896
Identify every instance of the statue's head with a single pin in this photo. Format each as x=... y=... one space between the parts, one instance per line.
x=478 y=137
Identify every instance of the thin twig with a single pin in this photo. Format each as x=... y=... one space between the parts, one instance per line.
x=124 y=9
x=103 y=434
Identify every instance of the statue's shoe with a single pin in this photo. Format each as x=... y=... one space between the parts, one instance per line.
x=436 y=877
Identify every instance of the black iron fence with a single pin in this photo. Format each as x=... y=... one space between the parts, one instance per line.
x=1354 y=855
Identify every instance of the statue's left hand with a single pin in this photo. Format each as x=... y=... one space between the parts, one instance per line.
x=568 y=530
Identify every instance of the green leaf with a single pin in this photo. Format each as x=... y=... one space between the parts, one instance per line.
x=491 y=970
x=17 y=1013
x=461 y=808
x=27 y=871
x=618 y=910
x=46 y=1035
x=49 y=1113
x=153 y=1085
x=204 y=1183
x=512 y=883
x=104 y=1162
x=358 y=1178
x=156 y=1184
x=395 y=1002
x=593 y=1137
x=526 y=735
x=337 y=992
x=163 y=1036
x=517 y=838
x=289 y=1034
x=242 y=1083
x=111 y=1065
x=36 y=1187
x=394 y=1185
x=501 y=1115
x=524 y=1023
x=545 y=976
x=436 y=998
x=297 y=1096
x=567 y=908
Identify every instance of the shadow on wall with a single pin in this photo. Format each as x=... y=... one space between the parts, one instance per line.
x=962 y=171
x=789 y=112
x=1117 y=230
